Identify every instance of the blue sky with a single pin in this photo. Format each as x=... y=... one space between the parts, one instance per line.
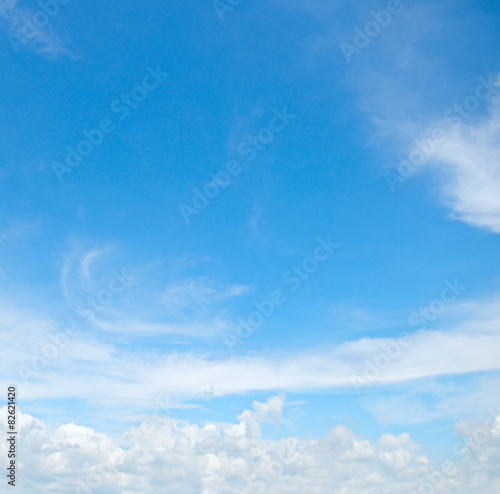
x=305 y=144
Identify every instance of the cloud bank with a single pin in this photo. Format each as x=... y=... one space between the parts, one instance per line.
x=165 y=454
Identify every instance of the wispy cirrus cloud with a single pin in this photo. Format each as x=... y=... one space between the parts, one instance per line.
x=91 y=258
x=30 y=28
x=124 y=371
x=470 y=159
x=198 y=292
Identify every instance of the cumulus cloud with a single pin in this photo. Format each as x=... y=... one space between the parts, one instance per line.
x=166 y=454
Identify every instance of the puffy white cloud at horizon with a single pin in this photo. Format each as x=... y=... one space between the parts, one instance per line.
x=166 y=453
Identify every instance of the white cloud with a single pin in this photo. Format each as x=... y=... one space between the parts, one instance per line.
x=55 y=366
x=187 y=308
x=6 y=7
x=470 y=158
x=42 y=39
x=198 y=292
x=163 y=453
x=89 y=259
